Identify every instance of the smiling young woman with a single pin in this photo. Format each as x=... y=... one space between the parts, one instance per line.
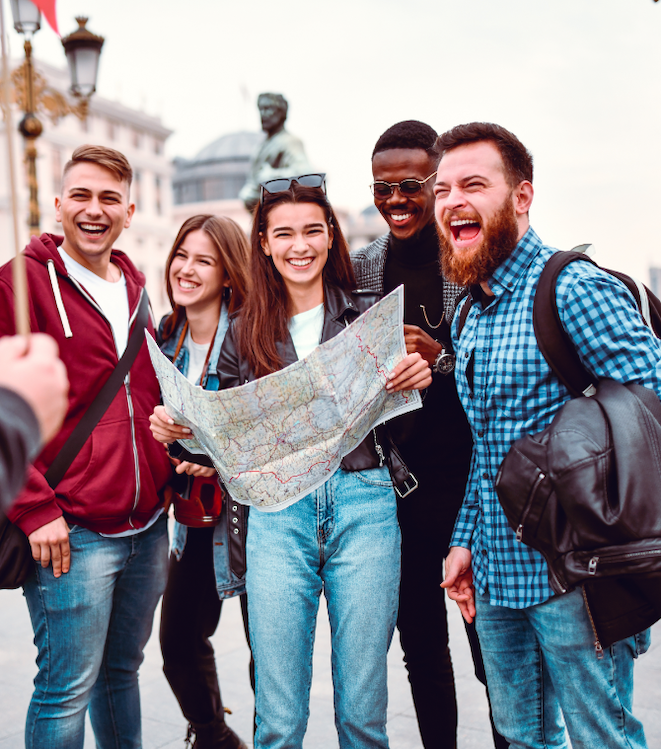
x=343 y=538
x=205 y=275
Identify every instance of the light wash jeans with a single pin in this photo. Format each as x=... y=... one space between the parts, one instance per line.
x=541 y=660
x=343 y=539
x=90 y=627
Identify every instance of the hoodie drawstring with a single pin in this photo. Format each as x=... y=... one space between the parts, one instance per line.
x=58 y=299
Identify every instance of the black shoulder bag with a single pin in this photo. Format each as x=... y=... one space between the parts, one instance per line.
x=15 y=552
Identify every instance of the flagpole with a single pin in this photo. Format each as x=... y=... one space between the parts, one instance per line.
x=21 y=313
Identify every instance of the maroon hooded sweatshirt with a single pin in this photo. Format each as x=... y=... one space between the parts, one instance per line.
x=115 y=483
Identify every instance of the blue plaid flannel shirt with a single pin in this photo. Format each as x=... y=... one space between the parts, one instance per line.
x=515 y=393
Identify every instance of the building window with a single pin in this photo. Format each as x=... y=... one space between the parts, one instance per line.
x=220 y=187
x=112 y=130
x=655 y=281
x=137 y=139
x=137 y=190
x=158 y=197
x=188 y=192
x=158 y=146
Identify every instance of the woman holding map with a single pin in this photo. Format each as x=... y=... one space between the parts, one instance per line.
x=343 y=538
x=205 y=276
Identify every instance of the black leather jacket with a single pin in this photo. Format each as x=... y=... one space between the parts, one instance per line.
x=340 y=309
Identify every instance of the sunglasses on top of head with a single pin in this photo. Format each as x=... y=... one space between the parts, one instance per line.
x=409 y=186
x=282 y=184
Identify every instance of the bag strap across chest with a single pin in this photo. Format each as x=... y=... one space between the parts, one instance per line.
x=553 y=341
x=104 y=398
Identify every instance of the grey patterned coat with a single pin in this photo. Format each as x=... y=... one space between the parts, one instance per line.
x=369 y=263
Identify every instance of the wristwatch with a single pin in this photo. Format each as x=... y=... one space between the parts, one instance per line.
x=444 y=363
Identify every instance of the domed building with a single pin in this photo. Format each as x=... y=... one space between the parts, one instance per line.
x=218 y=171
x=210 y=182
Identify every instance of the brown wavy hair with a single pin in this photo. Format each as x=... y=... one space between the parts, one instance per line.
x=232 y=245
x=517 y=159
x=265 y=316
x=108 y=158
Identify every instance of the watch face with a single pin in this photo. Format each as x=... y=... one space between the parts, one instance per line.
x=444 y=362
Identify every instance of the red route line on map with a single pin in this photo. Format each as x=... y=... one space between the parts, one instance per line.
x=275 y=475
x=379 y=368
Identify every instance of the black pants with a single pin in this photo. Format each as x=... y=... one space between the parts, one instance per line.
x=189 y=617
x=427 y=518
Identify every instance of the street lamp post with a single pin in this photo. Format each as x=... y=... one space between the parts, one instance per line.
x=27 y=22
x=82 y=49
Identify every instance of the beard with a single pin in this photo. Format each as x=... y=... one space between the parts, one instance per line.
x=477 y=265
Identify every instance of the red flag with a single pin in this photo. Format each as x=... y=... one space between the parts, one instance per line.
x=47 y=7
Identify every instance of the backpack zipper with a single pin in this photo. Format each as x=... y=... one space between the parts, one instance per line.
x=552 y=573
x=619 y=557
x=526 y=509
x=519 y=531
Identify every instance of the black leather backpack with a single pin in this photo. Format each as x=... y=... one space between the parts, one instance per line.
x=586 y=491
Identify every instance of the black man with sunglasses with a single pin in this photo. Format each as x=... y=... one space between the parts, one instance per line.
x=434 y=441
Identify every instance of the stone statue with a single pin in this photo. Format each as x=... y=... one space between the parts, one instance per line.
x=280 y=155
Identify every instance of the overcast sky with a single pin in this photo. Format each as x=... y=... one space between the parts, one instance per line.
x=576 y=80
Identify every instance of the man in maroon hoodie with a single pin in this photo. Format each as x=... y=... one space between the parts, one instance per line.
x=99 y=537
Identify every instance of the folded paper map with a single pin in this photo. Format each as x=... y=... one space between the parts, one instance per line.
x=278 y=438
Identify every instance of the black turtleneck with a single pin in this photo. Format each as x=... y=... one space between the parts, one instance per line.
x=439 y=433
x=414 y=262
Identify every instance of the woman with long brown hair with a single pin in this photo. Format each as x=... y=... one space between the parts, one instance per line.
x=343 y=538
x=206 y=281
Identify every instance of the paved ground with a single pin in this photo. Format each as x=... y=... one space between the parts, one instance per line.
x=164 y=727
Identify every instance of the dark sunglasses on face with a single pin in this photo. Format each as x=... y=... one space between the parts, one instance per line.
x=282 y=184
x=406 y=187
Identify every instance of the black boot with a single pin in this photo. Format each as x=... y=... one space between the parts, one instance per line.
x=214 y=735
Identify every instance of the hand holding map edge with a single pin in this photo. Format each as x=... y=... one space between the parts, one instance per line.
x=412 y=372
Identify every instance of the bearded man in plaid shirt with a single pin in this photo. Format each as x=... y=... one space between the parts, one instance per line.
x=538 y=648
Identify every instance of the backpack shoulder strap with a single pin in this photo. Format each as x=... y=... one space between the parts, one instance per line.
x=553 y=341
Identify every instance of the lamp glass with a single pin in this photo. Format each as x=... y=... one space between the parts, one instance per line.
x=83 y=68
x=26 y=15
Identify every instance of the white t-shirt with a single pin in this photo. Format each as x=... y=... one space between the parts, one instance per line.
x=111 y=297
x=305 y=330
x=197 y=355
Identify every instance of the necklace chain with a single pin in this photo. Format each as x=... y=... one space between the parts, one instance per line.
x=424 y=312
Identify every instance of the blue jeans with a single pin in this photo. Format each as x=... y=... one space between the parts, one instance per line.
x=343 y=539
x=90 y=627
x=542 y=660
